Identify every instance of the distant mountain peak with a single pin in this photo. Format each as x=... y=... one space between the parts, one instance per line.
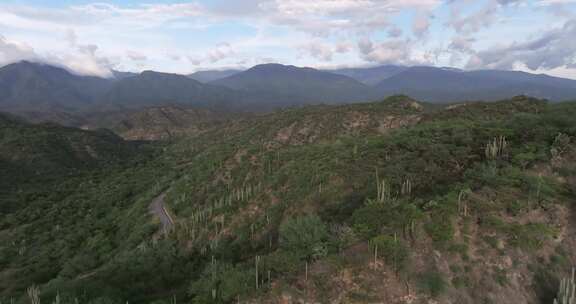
x=276 y=67
x=212 y=75
x=35 y=66
x=121 y=74
x=149 y=74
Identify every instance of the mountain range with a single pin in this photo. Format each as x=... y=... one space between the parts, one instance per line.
x=290 y=85
x=26 y=86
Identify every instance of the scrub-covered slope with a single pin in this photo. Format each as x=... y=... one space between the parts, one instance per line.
x=388 y=202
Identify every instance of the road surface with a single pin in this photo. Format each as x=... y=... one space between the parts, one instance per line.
x=158 y=209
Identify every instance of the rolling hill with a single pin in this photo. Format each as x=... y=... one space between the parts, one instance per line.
x=167 y=123
x=36 y=153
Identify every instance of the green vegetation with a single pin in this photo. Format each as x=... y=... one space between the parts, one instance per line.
x=392 y=250
x=305 y=237
x=393 y=182
x=432 y=283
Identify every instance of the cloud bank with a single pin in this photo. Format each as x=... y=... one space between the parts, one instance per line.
x=94 y=38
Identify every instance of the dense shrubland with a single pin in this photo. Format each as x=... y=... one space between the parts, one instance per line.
x=284 y=203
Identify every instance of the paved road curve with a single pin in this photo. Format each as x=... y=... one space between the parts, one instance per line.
x=158 y=209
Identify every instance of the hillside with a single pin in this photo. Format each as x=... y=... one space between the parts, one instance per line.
x=33 y=157
x=388 y=202
x=47 y=150
x=167 y=122
x=153 y=88
x=27 y=85
x=431 y=195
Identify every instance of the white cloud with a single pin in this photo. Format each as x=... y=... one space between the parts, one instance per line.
x=397 y=51
x=96 y=14
x=80 y=59
x=319 y=50
x=142 y=15
x=343 y=47
x=174 y=57
x=395 y=31
x=336 y=32
x=136 y=56
x=473 y=22
x=326 y=16
x=12 y=51
x=553 y=2
x=552 y=49
x=220 y=52
x=421 y=23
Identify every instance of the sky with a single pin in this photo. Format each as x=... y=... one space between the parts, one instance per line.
x=96 y=37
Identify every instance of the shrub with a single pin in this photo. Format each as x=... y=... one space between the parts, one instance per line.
x=221 y=283
x=460 y=282
x=369 y=219
x=304 y=236
x=103 y=300
x=440 y=229
x=283 y=262
x=341 y=236
x=433 y=283
x=392 y=250
x=530 y=236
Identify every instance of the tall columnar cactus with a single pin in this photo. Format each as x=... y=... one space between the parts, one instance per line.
x=462 y=203
x=257 y=261
x=495 y=148
x=567 y=291
x=33 y=294
x=56 y=299
x=384 y=193
x=407 y=188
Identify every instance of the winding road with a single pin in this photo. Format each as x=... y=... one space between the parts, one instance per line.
x=158 y=209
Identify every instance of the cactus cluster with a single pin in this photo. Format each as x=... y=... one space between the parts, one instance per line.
x=385 y=194
x=204 y=216
x=33 y=294
x=495 y=148
x=567 y=291
x=406 y=188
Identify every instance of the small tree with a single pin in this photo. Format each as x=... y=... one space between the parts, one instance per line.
x=304 y=236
